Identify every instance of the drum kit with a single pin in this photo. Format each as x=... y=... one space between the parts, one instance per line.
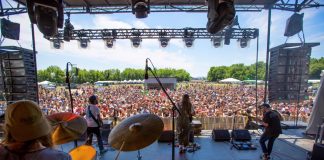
x=133 y=133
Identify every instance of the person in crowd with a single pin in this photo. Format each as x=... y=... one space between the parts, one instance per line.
x=183 y=122
x=28 y=134
x=271 y=122
x=94 y=122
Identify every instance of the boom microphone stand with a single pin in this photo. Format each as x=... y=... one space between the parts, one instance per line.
x=174 y=107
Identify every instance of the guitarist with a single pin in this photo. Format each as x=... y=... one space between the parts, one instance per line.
x=271 y=122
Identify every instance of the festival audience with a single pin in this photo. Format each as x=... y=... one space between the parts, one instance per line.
x=209 y=100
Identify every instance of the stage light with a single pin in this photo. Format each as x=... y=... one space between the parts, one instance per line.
x=84 y=43
x=141 y=8
x=136 y=42
x=164 y=41
x=217 y=42
x=48 y=15
x=188 y=42
x=110 y=42
x=68 y=30
x=244 y=42
x=220 y=14
x=57 y=43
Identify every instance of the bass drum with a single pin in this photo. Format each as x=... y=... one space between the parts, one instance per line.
x=83 y=152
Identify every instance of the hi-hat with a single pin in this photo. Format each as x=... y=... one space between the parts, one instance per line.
x=67 y=127
x=136 y=132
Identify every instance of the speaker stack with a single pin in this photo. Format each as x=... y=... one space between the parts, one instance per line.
x=17 y=74
x=289 y=69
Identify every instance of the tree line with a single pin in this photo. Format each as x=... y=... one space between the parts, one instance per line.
x=238 y=71
x=57 y=75
x=247 y=72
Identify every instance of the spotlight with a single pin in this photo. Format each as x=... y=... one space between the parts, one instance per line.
x=188 y=41
x=294 y=24
x=217 y=42
x=164 y=41
x=141 y=8
x=84 y=43
x=220 y=14
x=136 y=42
x=57 y=43
x=110 y=42
x=68 y=30
x=48 y=15
x=244 y=42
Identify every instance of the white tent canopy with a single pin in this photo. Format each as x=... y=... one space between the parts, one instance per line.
x=230 y=80
x=318 y=110
x=44 y=83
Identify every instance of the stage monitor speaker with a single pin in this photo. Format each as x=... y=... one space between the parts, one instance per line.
x=241 y=135
x=18 y=79
x=10 y=29
x=166 y=136
x=288 y=73
x=318 y=151
x=221 y=135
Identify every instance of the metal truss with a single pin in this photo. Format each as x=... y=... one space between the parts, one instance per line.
x=287 y=5
x=196 y=33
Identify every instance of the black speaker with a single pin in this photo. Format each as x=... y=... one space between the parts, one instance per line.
x=241 y=135
x=18 y=74
x=294 y=24
x=288 y=72
x=166 y=136
x=318 y=150
x=10 y=29
x=221 y=135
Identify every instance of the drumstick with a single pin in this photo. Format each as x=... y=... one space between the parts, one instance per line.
x=121 y=147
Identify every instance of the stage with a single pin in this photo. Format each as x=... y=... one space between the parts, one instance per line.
x=292 y=145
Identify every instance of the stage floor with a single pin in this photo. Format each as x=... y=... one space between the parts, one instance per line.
x=286 y=147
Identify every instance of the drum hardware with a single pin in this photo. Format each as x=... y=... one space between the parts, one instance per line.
x=135 y=133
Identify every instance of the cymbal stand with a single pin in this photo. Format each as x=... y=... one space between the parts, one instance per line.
x=139 y=156
x=121 y=147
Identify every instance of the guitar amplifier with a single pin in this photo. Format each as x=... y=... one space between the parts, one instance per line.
x=221 y=135
x=241 y=135
x=196 y=126
x=318 y=150
x=166 y=136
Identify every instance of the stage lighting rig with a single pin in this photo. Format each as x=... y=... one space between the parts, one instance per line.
x=244 y=42
x=109 y=37
x=221 y=13
x=188 y=37
x=84 y=43
x=110 y=42
x=164 y=41
x=217 y=42
x=141 y=8
x=57 y=43
x=136 y=41
x=68 y=29
x=48 y=15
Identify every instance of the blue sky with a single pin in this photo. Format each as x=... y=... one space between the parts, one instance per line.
x=196 y=60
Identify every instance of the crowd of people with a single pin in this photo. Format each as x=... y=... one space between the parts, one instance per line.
x=209 y=100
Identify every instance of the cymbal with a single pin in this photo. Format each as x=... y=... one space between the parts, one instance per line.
x=66 y=127
x=136 y=132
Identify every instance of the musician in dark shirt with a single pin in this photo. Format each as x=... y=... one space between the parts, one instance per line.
x=271 y=122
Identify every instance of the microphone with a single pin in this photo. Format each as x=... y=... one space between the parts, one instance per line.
x=146 y=70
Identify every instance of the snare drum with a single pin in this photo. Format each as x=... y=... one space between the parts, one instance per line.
x=83 y=152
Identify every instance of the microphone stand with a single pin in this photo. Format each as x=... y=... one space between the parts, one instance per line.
x=174 y=108
x=71 y=98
